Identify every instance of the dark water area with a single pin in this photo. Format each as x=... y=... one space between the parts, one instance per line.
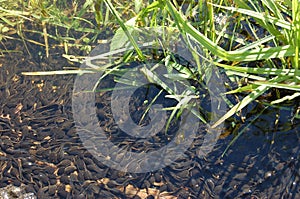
x=41 y=150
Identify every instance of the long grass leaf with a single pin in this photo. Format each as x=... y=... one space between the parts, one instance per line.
x=296 y=31
x=242 y=89
x=248 y=99
x=249 y=76
x=278 y=85
x=59 y=72
x=272 y=20
x=150 y=104
x=285 y=98
x=123 y=26
x=257 y=43
x=271 y=29
x=251 y=55
x=251 y=97
x=182 y=104
x=260 y=71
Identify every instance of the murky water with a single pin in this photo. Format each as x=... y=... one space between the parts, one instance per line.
x=41 y=150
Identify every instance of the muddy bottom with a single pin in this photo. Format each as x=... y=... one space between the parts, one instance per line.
x=41 y=150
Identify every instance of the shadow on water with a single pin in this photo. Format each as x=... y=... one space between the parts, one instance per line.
x=264 y=160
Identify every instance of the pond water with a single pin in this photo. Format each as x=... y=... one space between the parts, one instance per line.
x=40 y=148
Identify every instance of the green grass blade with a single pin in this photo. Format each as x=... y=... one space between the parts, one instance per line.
x=237 y=55
x=278 y=85
x=242 y=89
x=248 y=99
x=271 y=29
x=245 y=75
x=257 y=43
x=285 y=98
x=182 y=104
x=154 y=79
x=251 y=97
x=272 y=20
x=149 y=106
x=123 y=26
x=120 y=38
x=260 y=71
x=296 y=31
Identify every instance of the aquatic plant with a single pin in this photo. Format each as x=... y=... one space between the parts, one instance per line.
x=257 y=41
x=278 y=50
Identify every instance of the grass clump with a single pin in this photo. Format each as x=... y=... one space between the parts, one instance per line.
x=277 y=51
x=254 y=40
x=61 y=23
